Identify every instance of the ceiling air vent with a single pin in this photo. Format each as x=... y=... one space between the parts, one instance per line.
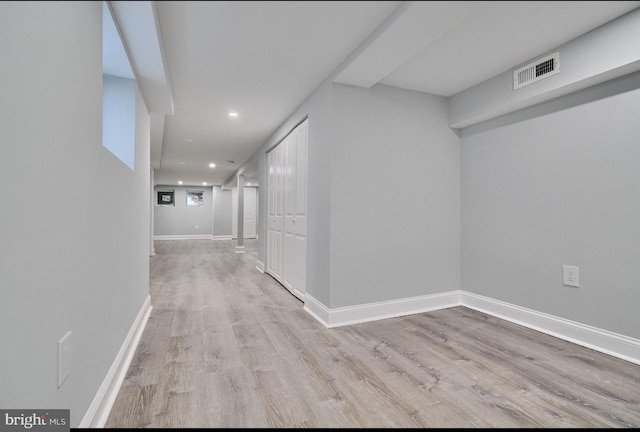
x=539 y=69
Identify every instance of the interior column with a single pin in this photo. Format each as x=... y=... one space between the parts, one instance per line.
x=240 y=229
x=152 y=249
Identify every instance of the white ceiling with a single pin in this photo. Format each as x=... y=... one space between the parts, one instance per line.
x=263 y=58
x=260 y=59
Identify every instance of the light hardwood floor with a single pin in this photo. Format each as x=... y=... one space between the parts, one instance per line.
x=227 y=346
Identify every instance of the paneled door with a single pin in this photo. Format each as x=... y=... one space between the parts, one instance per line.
x=274 y=213
x=289 y=189
x=299 y=278
x=250 y=208
x=286 y=211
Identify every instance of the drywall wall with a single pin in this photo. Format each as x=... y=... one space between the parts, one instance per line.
x=395 y=196
x=603 y=54
x=221 y=212
x=349 y=168
x=183 y=220
x=317 y=108
x=74 y=237
x=556 y=186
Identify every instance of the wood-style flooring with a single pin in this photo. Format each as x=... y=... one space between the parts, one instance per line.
x=229 y=347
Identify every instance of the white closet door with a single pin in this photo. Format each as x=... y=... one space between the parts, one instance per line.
x=250 y=208
x=234 y=213
x=300 y=220
x=271 y=212
x=275 y=217
x=289 y=147
x=287 y=211
x=279 y=213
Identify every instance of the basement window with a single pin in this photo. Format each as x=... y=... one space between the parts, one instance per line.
x=118 y=94
x=195 y=198
x=166 y=198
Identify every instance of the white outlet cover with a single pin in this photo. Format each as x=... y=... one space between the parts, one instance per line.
x=571 y=276
x=64 y=358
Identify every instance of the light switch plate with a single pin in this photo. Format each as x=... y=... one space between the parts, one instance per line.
x=64 y=358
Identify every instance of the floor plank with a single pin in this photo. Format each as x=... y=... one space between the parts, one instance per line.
x=227 y=346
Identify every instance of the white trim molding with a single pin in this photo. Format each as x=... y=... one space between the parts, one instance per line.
x=184 y=237
x=260 y=266
x=616 y=345
x=221 y=237
x=98 y=412
x=607 y=342
x=348 y=315
x=318 y=310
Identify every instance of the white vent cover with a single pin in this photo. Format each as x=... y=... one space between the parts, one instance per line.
x=539 y=69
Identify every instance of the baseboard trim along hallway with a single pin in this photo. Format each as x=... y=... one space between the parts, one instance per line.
x=607 y=342
x=348 y=315
x=610 y=343
x=98 y=412
x=188 y=237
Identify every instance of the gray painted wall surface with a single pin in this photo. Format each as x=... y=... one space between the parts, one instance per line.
x=221 y=211
x=395 y=196
x=559 y=187
x=605 y=53
x=317 y=107
x=74 y=237
x=182 y=219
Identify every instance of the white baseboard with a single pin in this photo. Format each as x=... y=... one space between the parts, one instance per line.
x=184 y=237
x=260 y=266
x=604 y=341
x=299 y=294
x=317 y=310
x=221 y=237
x=98 y=412
x=348 y=315
x=607 y=342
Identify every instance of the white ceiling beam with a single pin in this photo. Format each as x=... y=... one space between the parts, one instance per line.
x=411 y=28
x=140 y=29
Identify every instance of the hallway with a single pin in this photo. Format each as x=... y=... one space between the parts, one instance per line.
x=227 y=346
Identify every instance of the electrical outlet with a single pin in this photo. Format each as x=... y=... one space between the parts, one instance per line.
x=570 y=275
x=64 y=358
x=197 y=227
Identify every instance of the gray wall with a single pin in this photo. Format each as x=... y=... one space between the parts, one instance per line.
x=221 y=211
x=395 y=196
x=605 y=53
x=553 y=186
x=183 y=220
x=353 y=256
x=317 y=107
x=74 y=237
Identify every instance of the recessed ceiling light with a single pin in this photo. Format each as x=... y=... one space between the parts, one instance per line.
x=233 y=114
x=188 y=139
x=182 y=163
x=204 y=183
x=212 y=165
x=179 y=181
